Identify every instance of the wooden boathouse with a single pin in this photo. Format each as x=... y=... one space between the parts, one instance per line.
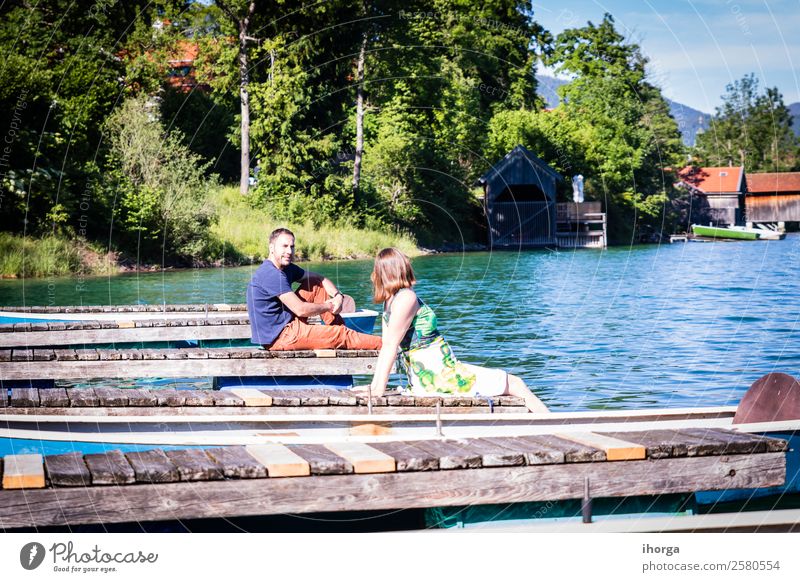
x=721 y=193
x=520 y=201
x=773 y=198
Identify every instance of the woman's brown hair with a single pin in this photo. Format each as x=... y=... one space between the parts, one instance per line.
x=392 y=272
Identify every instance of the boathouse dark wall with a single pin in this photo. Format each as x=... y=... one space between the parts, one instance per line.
x=520 y=200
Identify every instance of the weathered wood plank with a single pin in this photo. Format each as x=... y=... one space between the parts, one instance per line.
x=53 y=397
x=660 y=444
x=364 y=458
x=342 y=398
x=111 y=396
x=237 y=463
x=314 y=398
x=67 y=470
x=450 y=453
x=152 y=466
x=573 y=452
x=279 y=460
x=195 y=465
x=253 y=397
x=407 y=457
x=86 y=505
x=732 y=443
x=82 y=397
x=141 y=397
x=536 y=452
x=198 y=398
x=220 y=363
x=226 y=398
x=169 y=397
x=283 y=397
x=23 y=472
x=322 y=461
x=24 y=397
x=614 y=448
x=110 y=468
x=492 y=454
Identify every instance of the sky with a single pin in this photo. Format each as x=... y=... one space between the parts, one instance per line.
x=697 y=47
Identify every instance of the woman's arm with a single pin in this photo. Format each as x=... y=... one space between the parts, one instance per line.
x=404 y=308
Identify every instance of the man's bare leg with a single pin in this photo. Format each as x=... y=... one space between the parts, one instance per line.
x=517 y=387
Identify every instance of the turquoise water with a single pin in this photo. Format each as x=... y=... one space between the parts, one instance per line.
x=648 y=326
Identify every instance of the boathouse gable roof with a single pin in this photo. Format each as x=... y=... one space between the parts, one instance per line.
x=713 y=180
x=519 y=166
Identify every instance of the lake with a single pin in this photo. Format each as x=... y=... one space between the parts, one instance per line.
x=688 y=324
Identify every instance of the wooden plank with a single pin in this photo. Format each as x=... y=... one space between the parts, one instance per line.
x=451 y=455
x=614 y=448
x=252 y=397
x=282 y=397
x=226 y=398
x=85 y=367
x=53 y=397
x=733 y=443
x=573 y=452
x=198 y=398
x=169 y=397
x=67 y=470
x=66 y=355
x=322 y=461
x=88 y=505
x=314 y=398
x=400 y=400
x=536 y=452
x=22 y=355
x=279 y=460
x=23 y=472
x=110 y=468
x=237 y=463
x=407 y=457
x=364 y=458
x=111 y=396
x=141 y=397
x=24 y=397
x=195 y=465
x=152 y=466
x=325 y=353
x=660 y=444
x=492 y=454
x=82 y=397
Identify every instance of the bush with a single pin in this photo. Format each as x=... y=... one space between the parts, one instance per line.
x=158 y=185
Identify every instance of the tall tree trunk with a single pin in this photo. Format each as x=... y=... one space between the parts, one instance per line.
x=244 y=98
x=243 y=24
x=359 y=113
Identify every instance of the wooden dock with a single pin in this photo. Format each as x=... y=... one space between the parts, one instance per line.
x=275 y=478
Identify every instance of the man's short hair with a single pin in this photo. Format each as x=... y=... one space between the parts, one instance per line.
x=278 y=232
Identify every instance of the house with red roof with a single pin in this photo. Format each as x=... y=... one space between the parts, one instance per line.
x=723 y=188
x=730 y=197
x=773 y=197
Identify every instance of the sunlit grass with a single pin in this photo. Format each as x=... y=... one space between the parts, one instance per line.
x=245 y=232
x=50 y=256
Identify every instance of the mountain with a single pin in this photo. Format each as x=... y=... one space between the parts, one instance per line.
x=794 y=109
x=690 y=120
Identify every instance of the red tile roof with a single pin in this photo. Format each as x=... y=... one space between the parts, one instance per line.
x=772 y=183
x=726 y=179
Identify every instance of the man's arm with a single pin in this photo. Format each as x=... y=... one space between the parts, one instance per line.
x=310 y=279
x=303 y=309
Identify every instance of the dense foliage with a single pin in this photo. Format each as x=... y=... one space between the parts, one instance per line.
x=378 y=114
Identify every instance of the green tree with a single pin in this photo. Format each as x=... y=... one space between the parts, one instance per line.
x=157 y=186
x=751 y=129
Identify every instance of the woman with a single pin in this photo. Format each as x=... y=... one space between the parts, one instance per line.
x=410 y=324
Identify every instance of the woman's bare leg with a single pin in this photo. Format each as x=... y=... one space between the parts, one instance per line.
x=516 y=387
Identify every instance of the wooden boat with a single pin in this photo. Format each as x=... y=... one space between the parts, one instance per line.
x=736 y=233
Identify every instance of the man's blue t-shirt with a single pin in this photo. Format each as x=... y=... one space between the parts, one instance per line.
x=268 y=314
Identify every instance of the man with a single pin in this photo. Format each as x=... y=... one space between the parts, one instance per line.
x=279 y=316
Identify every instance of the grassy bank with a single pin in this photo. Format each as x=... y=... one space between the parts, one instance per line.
x=51 y=256
x=245 y=230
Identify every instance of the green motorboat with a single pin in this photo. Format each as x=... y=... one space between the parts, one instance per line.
x=720 y=232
